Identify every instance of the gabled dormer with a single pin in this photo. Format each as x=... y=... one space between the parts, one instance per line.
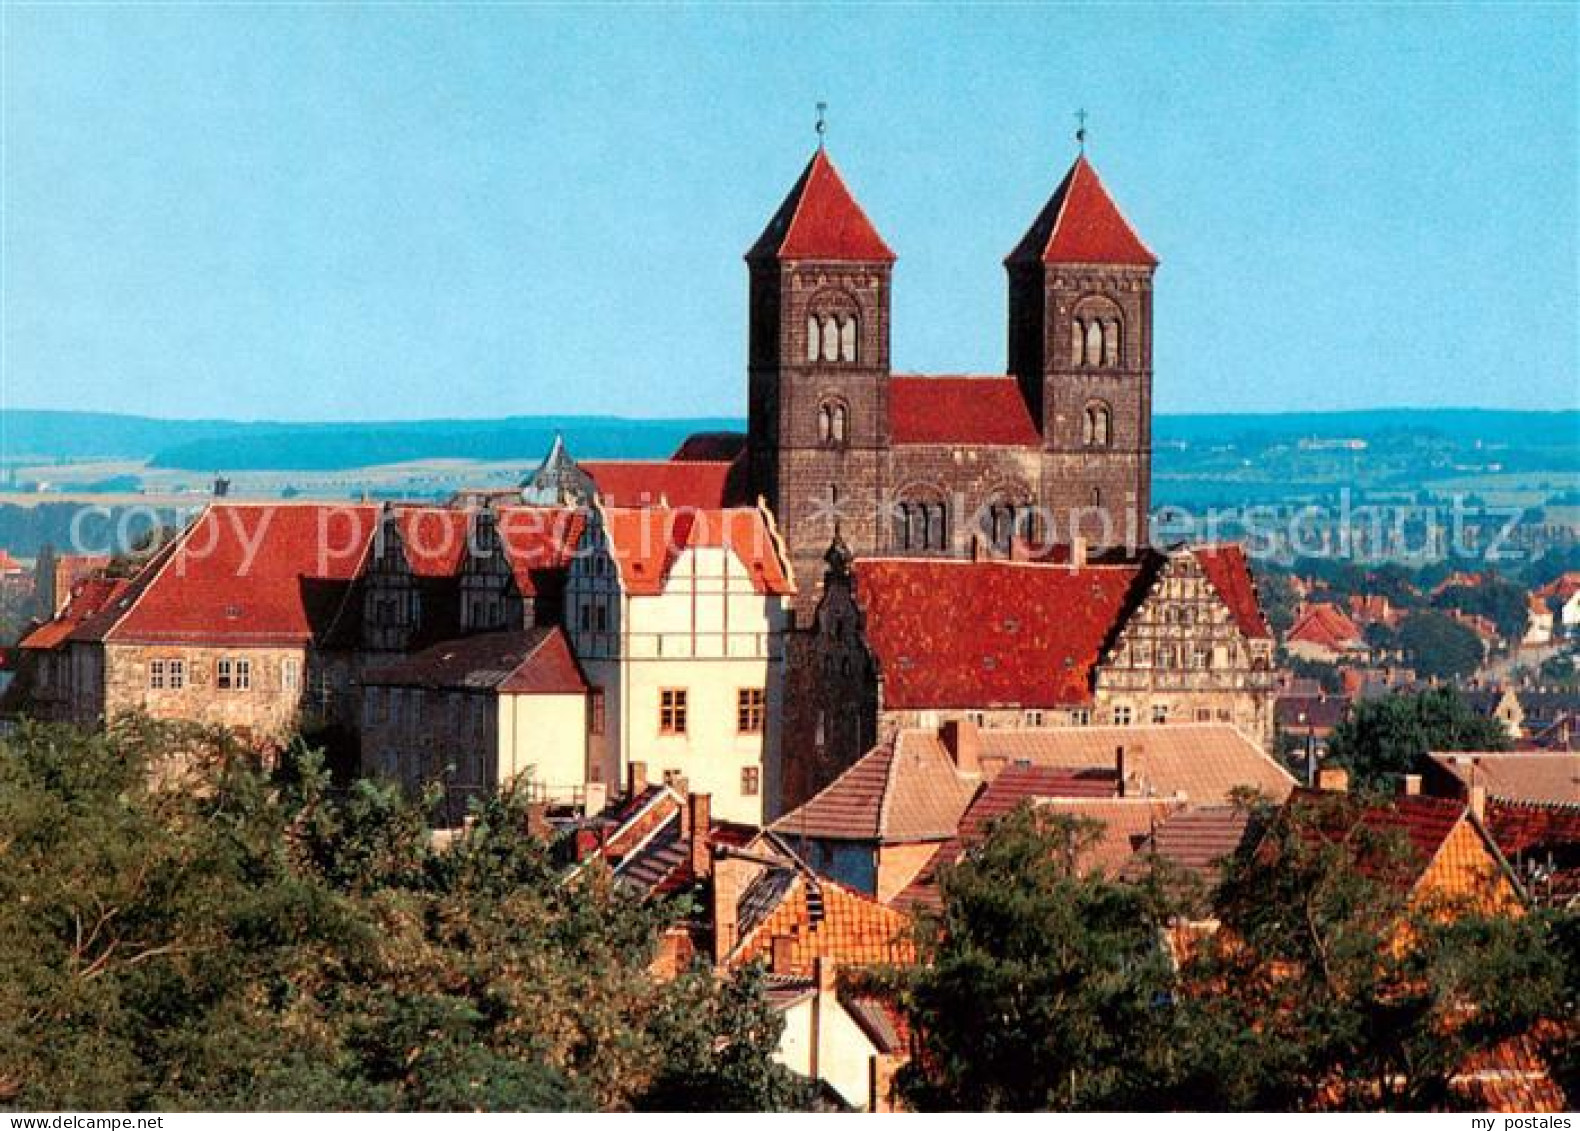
x=391 y=605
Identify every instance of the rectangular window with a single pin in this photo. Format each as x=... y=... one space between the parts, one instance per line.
x=1034 y=718
x=1160 y=713
x=175 y=674
x=751 y=781
x=749 y=710
x=584 y=618
x=672 y=710
x=674 y=779
x=595 y=711
x=243 y=675
x=1081 y=717
x=156 y=675
x=290 y=674
x=976 y=719
x=1122 y=715
x=601 y=618
x=223 y=679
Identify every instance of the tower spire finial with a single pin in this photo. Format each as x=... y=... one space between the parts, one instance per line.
x=1080 y=129
x=822 y=123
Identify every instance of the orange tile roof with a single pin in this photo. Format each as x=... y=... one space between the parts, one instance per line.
x=535 y=662
x=1326 y=626
x=691 y=483
x=1521 y=776
x=824 y=919
x=87 y=599
x=901 y=791
x=647 y=542
x=1203 y=763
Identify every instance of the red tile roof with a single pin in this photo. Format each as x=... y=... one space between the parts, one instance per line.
x=902 y=791
x=1561 y=588
x=1326 y=626
x=539 y=541
x=434 y=538
x=699 y=484
x=1423 y=823
x=820 y=219
x=960 y=410
x=1196 y=840
x=963 y=634
x=8 y=564
x=1230 y=574
x=647 y=542
x=823 y=919
x=1082 y=224
x=241 y=573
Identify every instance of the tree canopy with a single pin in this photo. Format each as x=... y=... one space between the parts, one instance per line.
x=184 y=931
x=1392 y=735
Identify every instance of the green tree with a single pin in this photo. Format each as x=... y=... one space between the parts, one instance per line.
x=182 y=930
x=1381 y=738
x=1502 y=602
x=1042 y=983
x=1437 y=646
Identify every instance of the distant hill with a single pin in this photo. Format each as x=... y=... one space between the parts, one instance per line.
x=226 y=445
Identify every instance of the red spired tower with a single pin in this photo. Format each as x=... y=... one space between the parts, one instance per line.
x=1080 y=347
x=818 y=428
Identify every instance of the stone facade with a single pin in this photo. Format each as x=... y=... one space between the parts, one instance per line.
x=256 y=692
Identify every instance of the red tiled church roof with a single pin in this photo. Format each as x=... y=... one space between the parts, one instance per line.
x=820 y=219
x=1081 y=224
x=984 y=634
x=959 y=410
x=1229 y=573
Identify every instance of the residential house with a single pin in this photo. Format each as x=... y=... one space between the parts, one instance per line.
x=1539 y=623
x=1324 y=633
x=479 y=712
x=1563 y=595
x=909 y=642
x=678 y=617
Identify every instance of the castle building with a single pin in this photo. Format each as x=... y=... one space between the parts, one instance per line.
x=1057 y=449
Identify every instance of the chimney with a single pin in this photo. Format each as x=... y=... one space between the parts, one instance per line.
x=1078 y=552
x=964 y=743
x=1333 y=779
x=1410 y=785
x=782 y=956
x=595 y=798
x=731 y=877
x=1478 y=801
x=699 y=821
x=635 y=778
x=1119 y=768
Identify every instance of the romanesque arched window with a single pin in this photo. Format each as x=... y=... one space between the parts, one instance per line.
x=833 y=423
x=1009 y=515
x=1097 y=425
x=833 y=327
x=921 y=523
x=1096 y=333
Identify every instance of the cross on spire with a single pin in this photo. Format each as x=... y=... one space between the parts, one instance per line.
x=822 y=124
x=1080 y=129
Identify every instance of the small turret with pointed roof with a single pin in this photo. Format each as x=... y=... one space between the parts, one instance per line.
x=559 y=481
x=1081 y=224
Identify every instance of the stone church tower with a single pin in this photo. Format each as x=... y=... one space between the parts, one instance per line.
x=961 y=465
x=1080 y=347
x=818 y=431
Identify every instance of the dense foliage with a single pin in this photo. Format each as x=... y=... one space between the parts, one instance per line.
x=1392 y=735
x=1321 y=988
x=1434 y=644
x=181 y=930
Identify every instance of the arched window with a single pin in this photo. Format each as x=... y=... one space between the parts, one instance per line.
x=1096 y=332
x=1097 y=425
x=830 y=338
x=847 y=338
x=1094 y=342
x=813 y=349
x=921 y=525
x=833 y=423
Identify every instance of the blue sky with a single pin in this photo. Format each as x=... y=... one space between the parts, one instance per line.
x=329 y=212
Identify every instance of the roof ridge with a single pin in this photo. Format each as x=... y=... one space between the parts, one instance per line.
x=177 y=544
